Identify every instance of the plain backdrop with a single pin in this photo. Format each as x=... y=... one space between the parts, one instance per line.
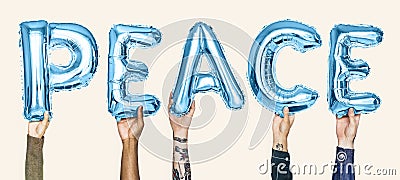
x=82 y=141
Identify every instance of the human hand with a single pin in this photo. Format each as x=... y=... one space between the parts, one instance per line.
x=180 y=125
x=346 y=129
x=280 y=129
x=131 y=127
x=37 y=129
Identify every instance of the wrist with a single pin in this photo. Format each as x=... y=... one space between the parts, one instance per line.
x=32 y=133
x=280 y=144
x=130 y=140
x=346 y=144
x=181 y=132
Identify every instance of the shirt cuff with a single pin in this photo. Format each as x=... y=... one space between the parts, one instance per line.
x=344 y=156
x=35 y=143
x=280 y=156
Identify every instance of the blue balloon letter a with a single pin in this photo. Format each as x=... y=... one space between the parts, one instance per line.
x=202 y=41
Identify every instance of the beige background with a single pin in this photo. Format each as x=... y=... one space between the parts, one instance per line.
x=82 y=140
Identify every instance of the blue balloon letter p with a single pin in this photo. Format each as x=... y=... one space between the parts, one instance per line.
x=42 y=78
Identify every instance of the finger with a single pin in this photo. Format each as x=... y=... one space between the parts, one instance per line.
x=286 y=114
x=357 y=119
x=351 y=116
x=351 y=113
x=170 y=101
x=276 y=120
x=122 y=121
x=140 y=112
x=140 y=116
x=192 y=108
x=45 y=120
x=44 y=123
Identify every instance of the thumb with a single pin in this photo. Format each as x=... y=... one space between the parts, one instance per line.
x=140 y=116
x=286 y=114
x=44 y=124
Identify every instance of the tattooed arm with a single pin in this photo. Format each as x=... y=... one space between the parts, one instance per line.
x=181 y=164
x=180 y=126
x=280 y=160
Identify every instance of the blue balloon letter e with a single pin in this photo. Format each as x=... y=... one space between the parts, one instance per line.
x=123 y=71
x=343 y=69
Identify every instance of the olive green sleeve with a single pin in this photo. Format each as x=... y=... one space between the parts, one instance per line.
x=34 y=158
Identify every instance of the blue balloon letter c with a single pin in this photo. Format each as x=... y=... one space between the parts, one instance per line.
x=261 y=70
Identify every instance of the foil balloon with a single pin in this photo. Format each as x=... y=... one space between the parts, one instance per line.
x=220 y=79
x=343 y=69
x=38 y=38
x=123 y=71
x=262 y=60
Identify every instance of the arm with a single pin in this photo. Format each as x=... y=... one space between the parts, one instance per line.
x=346 y=131
x=130 y=130
x=34 y=151
x=180 y=126
x=280 y=160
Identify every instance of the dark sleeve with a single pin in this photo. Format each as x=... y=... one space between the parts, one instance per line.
x=280 y=163
x=344 y=164
x=34 y=159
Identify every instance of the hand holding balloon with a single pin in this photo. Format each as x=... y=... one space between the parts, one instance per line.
x=346 y=129
x=38 y=129
x=280 y=130
x=180 y=125
x=129 y=128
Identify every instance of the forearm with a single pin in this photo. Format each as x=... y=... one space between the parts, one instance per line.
x=129 y=160
x=34 y=158
x=181 y=164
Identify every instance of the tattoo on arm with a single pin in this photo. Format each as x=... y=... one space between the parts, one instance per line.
x=181 y=166
x=279 y=146
x=181 y=140
x=183 y=152
x=177 y=175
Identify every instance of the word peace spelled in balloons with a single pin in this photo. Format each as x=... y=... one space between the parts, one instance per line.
x=41 y=78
